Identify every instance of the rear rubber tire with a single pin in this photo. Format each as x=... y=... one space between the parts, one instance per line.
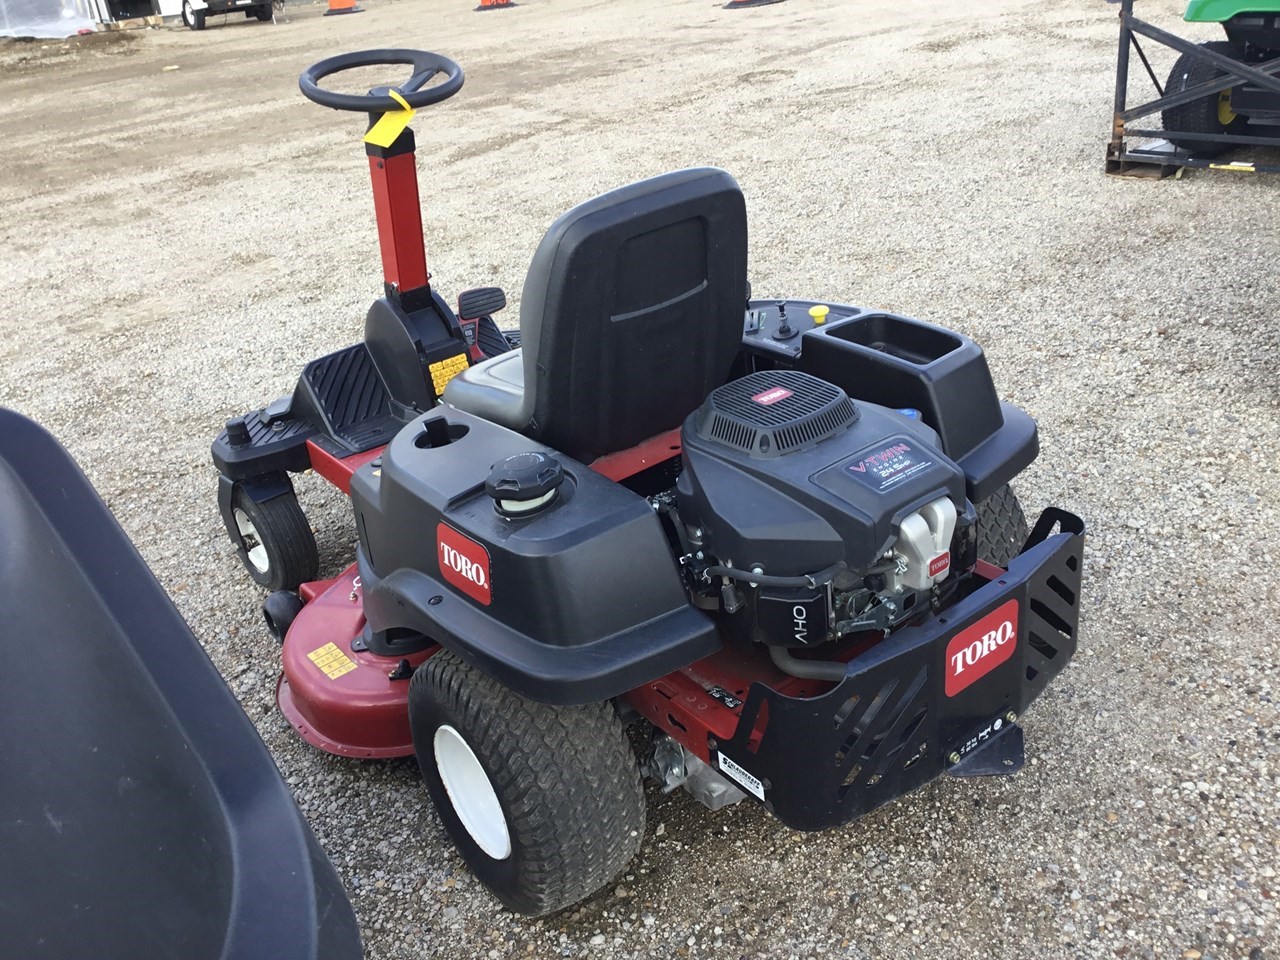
x=1200 y=116
x=263 y=12
x=275 y=542
x=1002 y=527
x=565 y=779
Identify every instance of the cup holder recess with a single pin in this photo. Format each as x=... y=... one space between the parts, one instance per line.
x=439 y=432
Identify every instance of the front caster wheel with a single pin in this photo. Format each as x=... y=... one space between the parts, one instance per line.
x=274 y=541
x=279 y=611
x=544 y=803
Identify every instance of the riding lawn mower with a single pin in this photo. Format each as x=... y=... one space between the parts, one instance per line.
x=1253 y=37
x=768 y=544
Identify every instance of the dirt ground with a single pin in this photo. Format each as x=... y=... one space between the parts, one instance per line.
x=181 y=230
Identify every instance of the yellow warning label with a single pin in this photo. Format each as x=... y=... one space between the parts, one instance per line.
x=332 y=661
x=391 y=124
x=1238 y=166
x=442 y=371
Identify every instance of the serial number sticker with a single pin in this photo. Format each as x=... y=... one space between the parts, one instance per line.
x=725 y=697
x=751 y=783
x=886 y=466
x=331 y=661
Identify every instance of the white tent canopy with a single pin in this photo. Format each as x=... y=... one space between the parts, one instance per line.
x=45 y=18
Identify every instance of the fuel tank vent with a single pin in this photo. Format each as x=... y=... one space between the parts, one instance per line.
x=775 y=412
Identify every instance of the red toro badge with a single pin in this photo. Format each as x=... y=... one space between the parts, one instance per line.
x=767 y=398
x=464 y=563
x=981 y=647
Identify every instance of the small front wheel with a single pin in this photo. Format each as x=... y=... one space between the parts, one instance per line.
x=279 y=611
x=544 y=803
x=274 y=540
x=193 y=18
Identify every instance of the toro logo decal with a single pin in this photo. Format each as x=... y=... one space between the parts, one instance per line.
x=771 y=396
x=940 y=564
x=464 y=563
x=978 y=649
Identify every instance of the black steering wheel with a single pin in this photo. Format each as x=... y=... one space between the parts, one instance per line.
x=425 y=66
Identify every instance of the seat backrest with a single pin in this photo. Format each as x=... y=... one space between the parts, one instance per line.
x=632 y=311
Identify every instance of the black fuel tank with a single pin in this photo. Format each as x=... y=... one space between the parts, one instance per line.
x=575 y=603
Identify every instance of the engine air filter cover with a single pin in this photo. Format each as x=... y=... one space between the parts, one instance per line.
x=775 y=412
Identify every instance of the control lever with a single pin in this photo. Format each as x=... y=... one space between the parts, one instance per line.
x=785 y=331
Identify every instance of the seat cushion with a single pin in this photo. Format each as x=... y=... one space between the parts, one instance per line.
x=493 y=390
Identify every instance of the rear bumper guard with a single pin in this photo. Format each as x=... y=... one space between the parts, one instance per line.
x=923 y=701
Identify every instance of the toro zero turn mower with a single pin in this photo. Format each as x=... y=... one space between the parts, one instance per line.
x=775 y=537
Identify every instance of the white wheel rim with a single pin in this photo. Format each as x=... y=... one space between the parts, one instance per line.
x=252 y=541
x=188 y=13
x=471 y=793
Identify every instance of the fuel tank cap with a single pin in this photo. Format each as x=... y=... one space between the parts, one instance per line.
x=524 y=483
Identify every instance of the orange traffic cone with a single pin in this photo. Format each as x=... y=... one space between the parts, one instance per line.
x=495 y=4
x=342 y=6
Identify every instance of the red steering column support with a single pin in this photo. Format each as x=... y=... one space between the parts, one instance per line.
x=399 y=214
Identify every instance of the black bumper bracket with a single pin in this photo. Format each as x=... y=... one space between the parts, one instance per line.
x=1002 y=754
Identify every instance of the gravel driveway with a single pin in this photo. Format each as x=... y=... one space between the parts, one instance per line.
x=195 y=234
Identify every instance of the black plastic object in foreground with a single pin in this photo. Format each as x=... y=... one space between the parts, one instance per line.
x=142 y=817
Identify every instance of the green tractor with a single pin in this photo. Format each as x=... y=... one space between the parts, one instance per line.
x=1253 y=37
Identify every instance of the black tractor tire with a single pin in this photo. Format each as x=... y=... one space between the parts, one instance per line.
x=274 y=540
x=263 y=12
x=564 y=780
x=193 y=18
x=279 y=610
x=1201 y=116
x=1002 y=527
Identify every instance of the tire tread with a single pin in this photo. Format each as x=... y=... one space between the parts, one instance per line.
x=1002 y=527
x=566 y=776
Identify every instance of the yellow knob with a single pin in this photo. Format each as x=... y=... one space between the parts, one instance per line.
x=819 y=314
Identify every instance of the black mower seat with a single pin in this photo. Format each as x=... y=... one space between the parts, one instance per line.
x=631 y=314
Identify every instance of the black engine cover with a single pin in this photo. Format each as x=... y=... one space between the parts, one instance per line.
x=831 y=482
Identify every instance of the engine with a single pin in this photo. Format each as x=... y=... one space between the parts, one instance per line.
x=806 y=517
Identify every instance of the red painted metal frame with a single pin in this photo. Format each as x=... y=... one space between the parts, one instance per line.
x=338 y=470
x=645 y=454
x=399 y=216
x=681 y=704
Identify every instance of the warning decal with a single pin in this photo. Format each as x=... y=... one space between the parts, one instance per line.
x=332 y=661
x=886 y=466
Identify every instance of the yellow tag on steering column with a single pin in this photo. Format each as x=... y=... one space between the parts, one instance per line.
x=391 y=124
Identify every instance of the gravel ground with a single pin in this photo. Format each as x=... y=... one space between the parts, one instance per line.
x=200 y=232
